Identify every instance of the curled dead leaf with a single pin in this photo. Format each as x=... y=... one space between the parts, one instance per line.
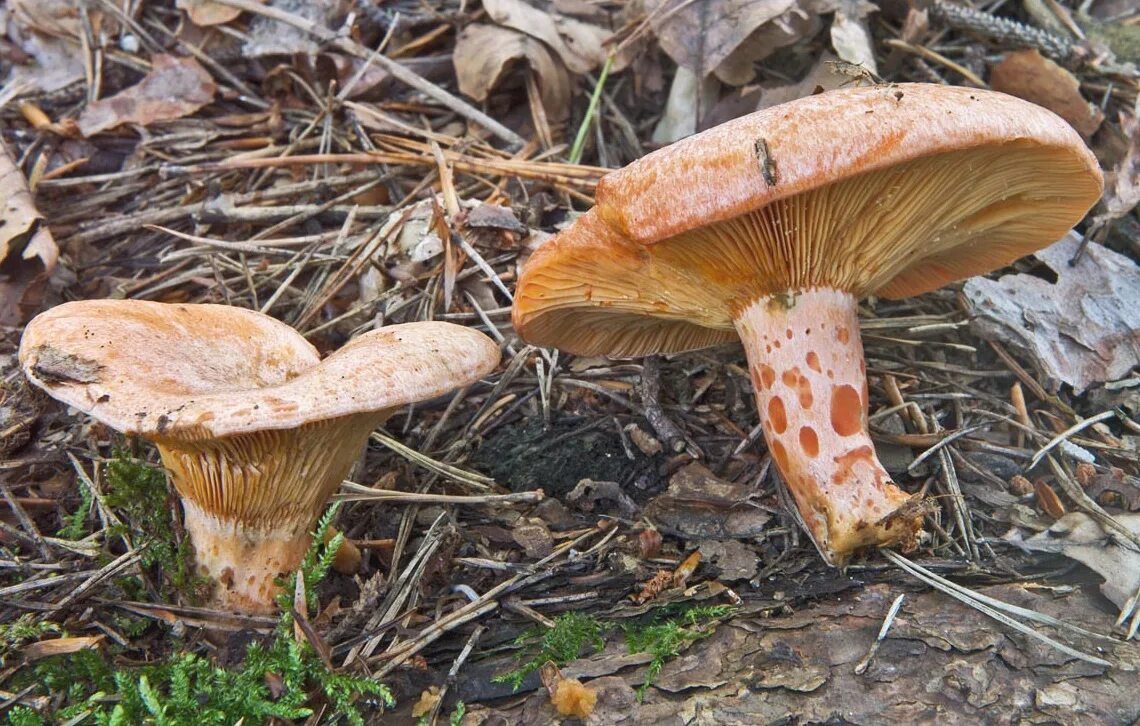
x=175 y=87
x=28 y=252
x=484 y=55
x=207 y=12
x=1048 y=500
x=1028 y=74
x=61 y=646
x=577 y=44
x=701 y=35
x=1082 y=329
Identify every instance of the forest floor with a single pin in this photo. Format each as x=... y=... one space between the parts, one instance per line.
x=346 y=164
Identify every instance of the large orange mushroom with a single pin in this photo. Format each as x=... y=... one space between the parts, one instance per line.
x=771 y=227
x=255 y=429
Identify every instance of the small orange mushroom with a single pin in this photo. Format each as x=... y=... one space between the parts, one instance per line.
x=769 y=228
x=255 y=429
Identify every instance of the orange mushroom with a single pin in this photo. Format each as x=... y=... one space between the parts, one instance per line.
x=769 y=228
x=256 y=430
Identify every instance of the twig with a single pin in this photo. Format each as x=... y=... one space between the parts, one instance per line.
x=1001 y=29
x=650 y=390
x=993 y=607
x=396 y=70
x=1071 y=449
x=861 y=667
x=358 y=493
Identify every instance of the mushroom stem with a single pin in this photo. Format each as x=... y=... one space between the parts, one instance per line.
x=251 y=500
x=806 y=361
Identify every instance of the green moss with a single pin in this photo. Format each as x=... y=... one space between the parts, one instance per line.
x=25 y=629
x=571 y=634
x=663 y=636
x=1123 y=40
x=187 y=688
x=138 y=492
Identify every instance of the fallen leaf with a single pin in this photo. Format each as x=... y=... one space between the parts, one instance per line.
x=700 y=505
x=701 y=35
x=207 y=12
x=734 y=559
x=850 y=36
x=28 y=252
x=821 y=77
x=175 y=87
x=577 y=44
x=1122 y=184
x=800 y=21
x=50 y=41
x=272 y=37
x=484 y=54
x=1078 y=536
x=427 y=702
x=1081 y=330
x=1048 y=500
x=61 y=646
x=1029 y=75
x=690 y=98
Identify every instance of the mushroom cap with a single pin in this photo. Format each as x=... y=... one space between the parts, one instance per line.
x=893 y=190
x=193 y=372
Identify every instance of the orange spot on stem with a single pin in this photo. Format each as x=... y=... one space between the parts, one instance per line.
x=846 y=411
x=809 y=442
x=777 y=415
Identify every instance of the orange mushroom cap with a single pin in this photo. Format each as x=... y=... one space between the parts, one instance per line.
x=890 y=190
x=256 y=430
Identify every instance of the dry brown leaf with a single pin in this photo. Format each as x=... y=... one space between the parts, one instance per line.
x=822 y=76
x=691 y=97
x=577 y=44
x=207 y=12
x=701 y=35
x=427 y=702
x=272 y=37
x=1122 y=184
x=1048 y=500
x=850 y=36
x=485 y=53
x=28 y=252
x=800 y=21
x=1081 y=330
x=175 y=87
x=58 y=18
x=48 y=33
x=1077 y=536
x=700 y=505
x=61 y=646
x=1028 y=74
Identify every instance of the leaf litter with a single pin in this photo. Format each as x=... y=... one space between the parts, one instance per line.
x=376 y=164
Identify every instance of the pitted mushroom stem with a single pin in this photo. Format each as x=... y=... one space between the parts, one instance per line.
x=805 y=356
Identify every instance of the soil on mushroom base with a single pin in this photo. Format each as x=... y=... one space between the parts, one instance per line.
x=522 y=457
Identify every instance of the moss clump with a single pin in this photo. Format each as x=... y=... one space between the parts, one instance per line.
x=186 y=688
x=138 y=492
x=663 y=636
x=571 y=634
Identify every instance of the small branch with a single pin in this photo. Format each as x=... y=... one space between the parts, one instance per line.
x=399 y=72
x=650 y=390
